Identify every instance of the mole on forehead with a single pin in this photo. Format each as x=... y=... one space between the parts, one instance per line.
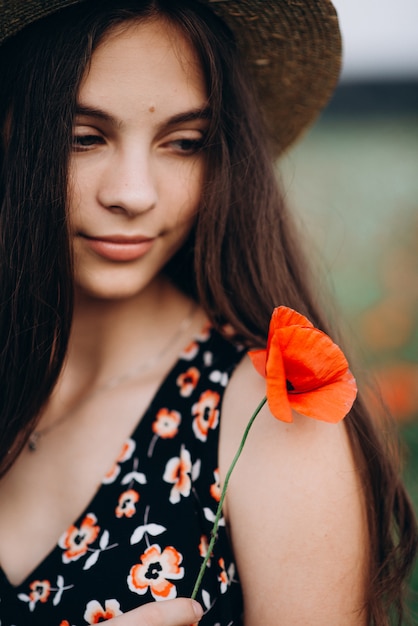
x=152 y=109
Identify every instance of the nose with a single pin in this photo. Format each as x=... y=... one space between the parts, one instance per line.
x=128 y=182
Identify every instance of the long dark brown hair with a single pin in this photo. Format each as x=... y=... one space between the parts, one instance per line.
x=241 y=260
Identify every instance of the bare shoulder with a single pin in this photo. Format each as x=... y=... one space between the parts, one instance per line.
x=295 y=511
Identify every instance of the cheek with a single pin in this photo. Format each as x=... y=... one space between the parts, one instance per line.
x=76 y=192
x=188 y=189
x=73 y=201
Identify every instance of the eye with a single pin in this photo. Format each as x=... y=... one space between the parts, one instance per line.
x=187 y=146
x=81 y=143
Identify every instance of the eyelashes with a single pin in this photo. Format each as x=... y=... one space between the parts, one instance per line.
x=188 y=146
x=82 y=143
x=185 y=146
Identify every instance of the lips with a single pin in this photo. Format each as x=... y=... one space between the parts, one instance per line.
x=119 y=247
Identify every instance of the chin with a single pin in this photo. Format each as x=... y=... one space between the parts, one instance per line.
x=107 y=282
x=109 y=290
x=107 y=297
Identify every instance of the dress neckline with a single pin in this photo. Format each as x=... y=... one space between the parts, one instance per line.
x=143 y=422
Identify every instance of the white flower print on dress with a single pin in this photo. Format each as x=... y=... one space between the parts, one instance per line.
x=210 y=516
x=103 y=546
x=208 y=358
x=125 y=454
x=95 y=613
x=146 y=529
x=203 y=548
x=225 y=577
x=41 y=590
x=219 y=377
x=155 y=571
x=165 y=425
x=187 y=381
x=134 y=476
x=75 y=541
x=126 y=503
x=206 y=414
x=204 y=334
x=207 y=602
x=215 y=488
x=190 y=351
x=178 y=472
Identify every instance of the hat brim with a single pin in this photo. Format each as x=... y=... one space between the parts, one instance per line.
x=293 y=50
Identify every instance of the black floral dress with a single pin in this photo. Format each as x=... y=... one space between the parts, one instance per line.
x=145 y=533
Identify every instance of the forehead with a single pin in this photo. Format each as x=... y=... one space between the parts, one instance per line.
x=147 y=59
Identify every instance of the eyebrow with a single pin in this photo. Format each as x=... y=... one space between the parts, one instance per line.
x=180 y=118
x=97 y=113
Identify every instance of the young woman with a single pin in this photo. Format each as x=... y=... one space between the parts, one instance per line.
x=144 y=246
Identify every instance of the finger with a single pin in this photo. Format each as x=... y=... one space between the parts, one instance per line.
x=178 y=612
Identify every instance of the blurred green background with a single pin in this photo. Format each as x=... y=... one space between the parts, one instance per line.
x=353 y=182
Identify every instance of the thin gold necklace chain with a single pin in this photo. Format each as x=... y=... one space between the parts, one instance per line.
x=36 y=435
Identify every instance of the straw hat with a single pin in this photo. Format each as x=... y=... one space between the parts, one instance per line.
x=293 y=50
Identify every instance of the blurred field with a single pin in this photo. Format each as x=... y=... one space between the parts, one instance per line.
x=353 y=181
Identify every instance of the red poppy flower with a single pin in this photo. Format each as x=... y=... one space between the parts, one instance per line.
x=304 y=370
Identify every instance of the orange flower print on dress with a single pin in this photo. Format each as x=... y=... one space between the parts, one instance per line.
x=125 y=454
x=178 y=471
x=166 y=426
x=225 y=577
x=304 y=370
x=155 y=571
x=203 y=548
x=126 y=503
x=95 y=613
x=206 y=414
x=39 y=591
x=187 y=381
x=215 y=488
x=166 y=423
x=190 y=351
x=76 y=541
x=204 y=334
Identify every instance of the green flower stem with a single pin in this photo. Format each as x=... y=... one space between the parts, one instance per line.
x=214 y=530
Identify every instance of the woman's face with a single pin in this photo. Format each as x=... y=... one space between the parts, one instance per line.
x=136 y=168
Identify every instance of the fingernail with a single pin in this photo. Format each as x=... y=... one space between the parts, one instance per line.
x=198 y=611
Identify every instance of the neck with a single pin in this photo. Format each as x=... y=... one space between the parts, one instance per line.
x=111 y=337
x=119 y=346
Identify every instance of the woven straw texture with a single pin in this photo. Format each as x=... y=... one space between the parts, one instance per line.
x=293 y=50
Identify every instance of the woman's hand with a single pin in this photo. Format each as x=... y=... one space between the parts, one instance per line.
x=179 y=612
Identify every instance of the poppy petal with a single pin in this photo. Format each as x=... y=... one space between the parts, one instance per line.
x=329 y=403
x=258 y=358
x=311 y=358
x=277 y=396
x=284 y=316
